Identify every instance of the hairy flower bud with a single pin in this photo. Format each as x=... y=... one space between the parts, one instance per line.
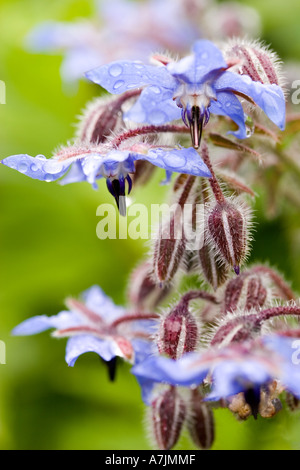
x=249 y=290
x=99 y=120
x=167 y=417
x=171 y=240
x=102 y=117
x=178 y=332
x=254 y=60
x=144 y=293
x=227 y=228
x=201 y=424
x=214 y=272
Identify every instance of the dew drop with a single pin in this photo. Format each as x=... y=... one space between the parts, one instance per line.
x=174 y=160
x=22 y=167
x=52 y=167
x=115 y=70
x=155 y=89
x=118 y=84
x=48 y=178
x=34 y=167
x=138 y=66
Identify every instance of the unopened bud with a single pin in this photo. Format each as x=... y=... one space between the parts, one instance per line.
x=178 y=332
x=144 y=293
x=255 y=60
x=171 y=240
x=214 y=272
x=228 y=225
x=167 y=417
x=102 y=117
x=201 y=424
x=245 y=292
x=98 y=121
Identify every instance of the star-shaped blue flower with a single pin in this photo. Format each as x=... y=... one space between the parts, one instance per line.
x=231 y=370
x=96 y=325
x=88 y=163
x=194 y=87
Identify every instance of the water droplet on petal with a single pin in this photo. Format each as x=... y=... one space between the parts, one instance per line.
x=34 y=167
x=115 y=70
x=174 y=160
x=52 y=166
x=118 y=84
x=155 y=89
x=48 y=178
x=138 y=65
x=22 y=167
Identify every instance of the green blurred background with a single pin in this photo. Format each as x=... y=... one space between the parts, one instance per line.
x=49 y=250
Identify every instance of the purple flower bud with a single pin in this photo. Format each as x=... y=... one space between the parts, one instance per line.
x=201 y=424
x=144 y=293
x=169 y=248
x=255 y=60
x=167 y=417
x=249 y=290
x=214 y=272
x=101 y=117
x=228 y=224
x=178 y=332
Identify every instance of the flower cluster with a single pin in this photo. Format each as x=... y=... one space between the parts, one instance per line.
x=228 y=341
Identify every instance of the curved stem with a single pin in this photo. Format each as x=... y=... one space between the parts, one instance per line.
x=134 y=317
x=213 y=180
x=151 y=129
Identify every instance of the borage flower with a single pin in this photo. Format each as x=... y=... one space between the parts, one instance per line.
x=238 y=368
x=97 y=325
x=199 y=85
x=114 y=161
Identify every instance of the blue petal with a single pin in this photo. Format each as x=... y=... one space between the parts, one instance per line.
x=100 y=303
x=77 y=61
x=75 y=174
x=41 y=323
x=269 y=98
x=81 y=344
x=38 y=167
x=232 y=377
x=181 y=372
x=227 y=104
x=154 y=106
x=120 y=76
x=183 y=161
x=197 y=68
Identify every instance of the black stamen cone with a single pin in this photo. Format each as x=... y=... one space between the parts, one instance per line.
x=252 y=397
x=112 y=368
x=196 y=125
x=117 y=189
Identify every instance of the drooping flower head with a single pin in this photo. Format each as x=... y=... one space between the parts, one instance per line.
x=113 y=161
x=193 y=88
x=96 y=324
